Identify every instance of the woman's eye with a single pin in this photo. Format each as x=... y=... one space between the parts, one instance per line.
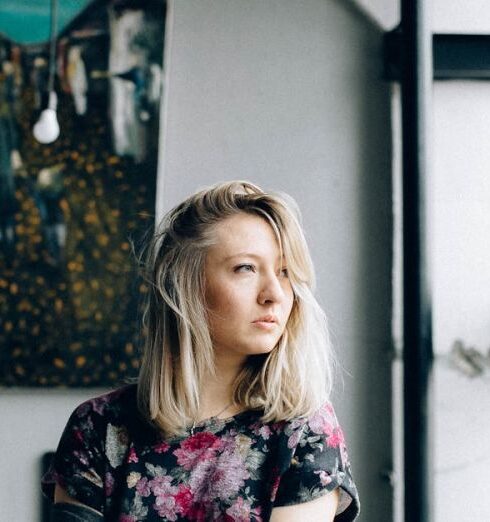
x=245 y=268
x=284 y=272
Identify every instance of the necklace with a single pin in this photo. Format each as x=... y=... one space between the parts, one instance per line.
x=213 y=418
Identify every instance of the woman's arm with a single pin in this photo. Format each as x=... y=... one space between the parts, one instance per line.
x=322 y=508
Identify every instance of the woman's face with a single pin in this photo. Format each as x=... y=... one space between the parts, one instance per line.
x=248 y=293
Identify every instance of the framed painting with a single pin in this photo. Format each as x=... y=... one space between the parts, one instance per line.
x=73 y=211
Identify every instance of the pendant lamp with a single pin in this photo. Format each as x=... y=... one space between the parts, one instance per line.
x=47 y=129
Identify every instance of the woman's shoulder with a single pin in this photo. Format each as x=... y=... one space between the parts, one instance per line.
x=110 y=406
x=322 y=421
x=316 y=418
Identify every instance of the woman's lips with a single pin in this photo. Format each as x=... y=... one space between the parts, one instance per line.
x=265 y=325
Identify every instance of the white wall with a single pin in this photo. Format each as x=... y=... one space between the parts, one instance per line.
x=385 y=13
x=31 y=422
x=448 y=16
x=461 y=217
x=461 y=299
x=454 y=16
x=289 y=95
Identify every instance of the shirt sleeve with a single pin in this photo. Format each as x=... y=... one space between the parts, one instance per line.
x=79 y=462
x=318 y=464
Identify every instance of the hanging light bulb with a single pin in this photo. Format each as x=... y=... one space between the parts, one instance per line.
x=47 y=129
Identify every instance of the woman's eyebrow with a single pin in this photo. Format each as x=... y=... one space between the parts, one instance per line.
x=248 y=254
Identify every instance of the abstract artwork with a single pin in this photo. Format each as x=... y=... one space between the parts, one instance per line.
x=73 y=213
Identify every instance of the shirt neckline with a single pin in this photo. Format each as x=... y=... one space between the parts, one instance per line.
x=219 y=420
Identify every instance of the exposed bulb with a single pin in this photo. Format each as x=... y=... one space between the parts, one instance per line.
x=47 y=129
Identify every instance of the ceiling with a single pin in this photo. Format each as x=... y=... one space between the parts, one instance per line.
x=28 y=22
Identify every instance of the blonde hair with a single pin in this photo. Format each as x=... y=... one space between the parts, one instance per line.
x=294 y=379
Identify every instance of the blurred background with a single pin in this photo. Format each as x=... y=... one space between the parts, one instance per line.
x=156 y=99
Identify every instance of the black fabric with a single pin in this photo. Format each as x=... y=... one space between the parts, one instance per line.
x=64 y=512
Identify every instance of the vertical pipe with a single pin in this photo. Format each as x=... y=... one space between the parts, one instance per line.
x=417 y=336
x=52 y=43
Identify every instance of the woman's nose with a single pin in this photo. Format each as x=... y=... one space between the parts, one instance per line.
x=271 y=290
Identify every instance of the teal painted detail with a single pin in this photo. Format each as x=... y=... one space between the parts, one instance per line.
x=28 y=21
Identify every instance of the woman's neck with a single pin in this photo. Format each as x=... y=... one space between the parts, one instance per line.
x=217 y=392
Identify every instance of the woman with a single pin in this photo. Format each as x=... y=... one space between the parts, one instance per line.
x=230 y=418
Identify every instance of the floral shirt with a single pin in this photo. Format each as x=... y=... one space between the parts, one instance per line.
x=235 y=469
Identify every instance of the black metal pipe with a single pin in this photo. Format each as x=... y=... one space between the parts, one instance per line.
x=417 y=336
x=455 y=56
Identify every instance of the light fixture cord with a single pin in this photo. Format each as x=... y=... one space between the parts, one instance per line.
x=52 y=44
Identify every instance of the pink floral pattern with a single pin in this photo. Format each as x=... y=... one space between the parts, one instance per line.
x=235 y=470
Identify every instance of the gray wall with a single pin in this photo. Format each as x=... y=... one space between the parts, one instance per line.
x=289 y=94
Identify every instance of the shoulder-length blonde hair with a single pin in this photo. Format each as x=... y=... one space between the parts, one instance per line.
x=294 y=379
